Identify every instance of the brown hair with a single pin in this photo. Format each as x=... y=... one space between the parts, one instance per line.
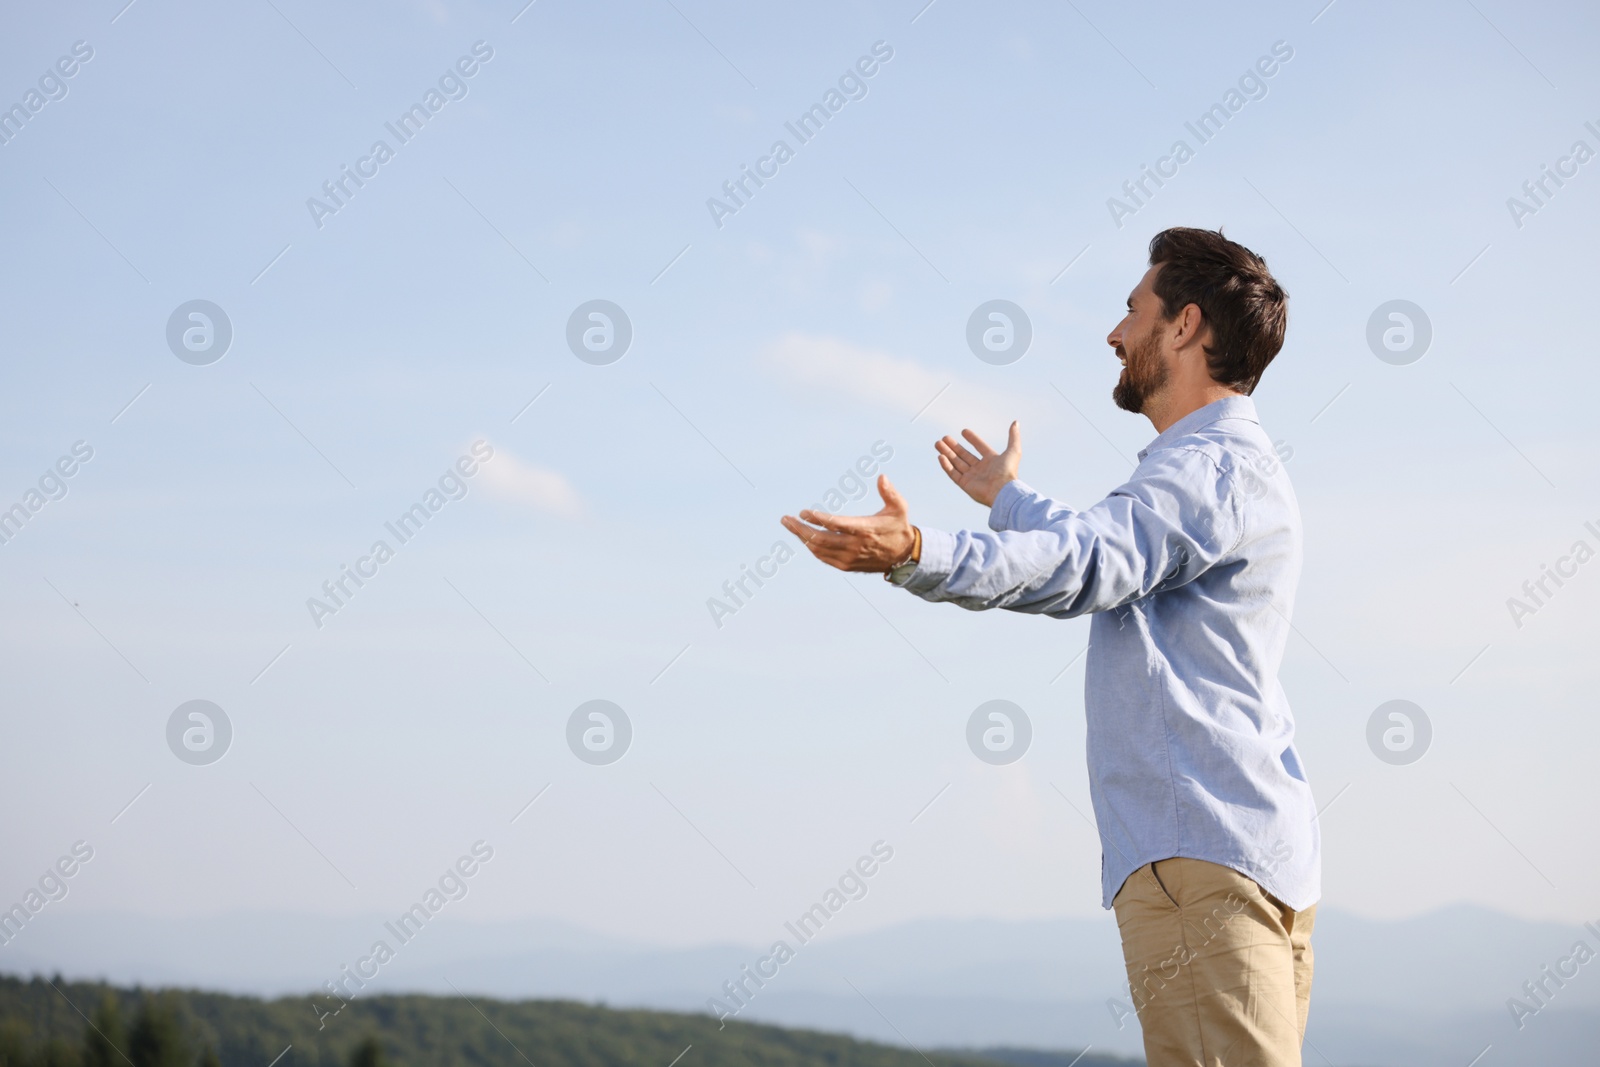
x=1242 y=302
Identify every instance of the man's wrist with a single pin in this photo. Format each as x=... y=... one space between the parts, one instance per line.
x=909 y=564
x=1005 y=504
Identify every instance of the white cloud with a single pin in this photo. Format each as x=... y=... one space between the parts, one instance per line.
x=507 y=478
x=897 y=382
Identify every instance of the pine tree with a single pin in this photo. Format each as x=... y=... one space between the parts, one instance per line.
x=104 y=1041
x=15 y=1043
x=368 y=1054
x=156 y=1038
x=58 y=1052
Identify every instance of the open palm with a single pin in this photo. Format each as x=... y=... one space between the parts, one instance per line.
x=981 y=476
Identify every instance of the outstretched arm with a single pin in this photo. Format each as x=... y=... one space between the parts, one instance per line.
x=1177 y=517
x=1172 y=522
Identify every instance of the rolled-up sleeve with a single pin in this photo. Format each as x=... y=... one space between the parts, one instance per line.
x=1173 y=520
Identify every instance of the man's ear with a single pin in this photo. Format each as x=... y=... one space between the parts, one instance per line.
x=1191 y=324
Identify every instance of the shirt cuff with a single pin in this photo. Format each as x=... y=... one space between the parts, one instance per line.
x=1011 y=496
x=938 y=554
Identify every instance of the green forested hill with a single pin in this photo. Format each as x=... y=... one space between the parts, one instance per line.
x=47 y=1023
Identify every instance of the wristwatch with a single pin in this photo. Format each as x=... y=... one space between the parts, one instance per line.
x=901 y=572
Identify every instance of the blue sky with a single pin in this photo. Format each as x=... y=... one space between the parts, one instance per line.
x=768 y=355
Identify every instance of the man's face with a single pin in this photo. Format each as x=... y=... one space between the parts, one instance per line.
x=1137 y=341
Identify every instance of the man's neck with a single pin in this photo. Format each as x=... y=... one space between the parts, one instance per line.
x=1163 y=411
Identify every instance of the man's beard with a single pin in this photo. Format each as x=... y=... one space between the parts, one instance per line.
x=1144 y=376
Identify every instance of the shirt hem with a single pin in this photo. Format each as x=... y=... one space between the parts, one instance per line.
x=1289 y=899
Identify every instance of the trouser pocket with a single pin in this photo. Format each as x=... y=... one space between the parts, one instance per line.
x=1160 y=883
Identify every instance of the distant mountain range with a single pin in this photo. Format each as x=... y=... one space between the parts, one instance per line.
x=1428 y=990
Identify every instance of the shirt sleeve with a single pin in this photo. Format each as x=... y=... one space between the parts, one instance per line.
x=1018 y=506
x=1177 y=517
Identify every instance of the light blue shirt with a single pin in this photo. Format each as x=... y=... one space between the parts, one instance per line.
x=1189 y=568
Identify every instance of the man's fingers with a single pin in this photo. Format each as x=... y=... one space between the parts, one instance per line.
x=798 y=528
x=950 y=447
x=822 y=543
x=1014 y=438
x=892 y=500
x=979 y=443
x=810 y=535
x=836 y=550
x=949 y=468
x=947 y=446
x=837 y=523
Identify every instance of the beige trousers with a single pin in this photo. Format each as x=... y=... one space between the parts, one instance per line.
x=1219 y=969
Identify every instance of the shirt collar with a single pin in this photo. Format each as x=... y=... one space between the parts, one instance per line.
x=1237 y=406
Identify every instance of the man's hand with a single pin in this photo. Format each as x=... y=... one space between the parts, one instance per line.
x=982 y=476
x=874 y=543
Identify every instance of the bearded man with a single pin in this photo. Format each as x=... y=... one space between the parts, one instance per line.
x=1211 y=856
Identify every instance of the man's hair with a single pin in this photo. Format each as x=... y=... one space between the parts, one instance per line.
x=1242 y=302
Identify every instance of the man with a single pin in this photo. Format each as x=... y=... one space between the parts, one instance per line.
x=1210 y=850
